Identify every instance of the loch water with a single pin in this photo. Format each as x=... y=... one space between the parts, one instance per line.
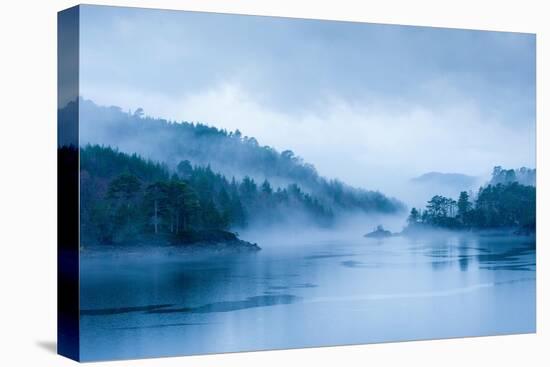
x=322 y=292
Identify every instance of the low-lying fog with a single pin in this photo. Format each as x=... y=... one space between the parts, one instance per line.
x=301 y=232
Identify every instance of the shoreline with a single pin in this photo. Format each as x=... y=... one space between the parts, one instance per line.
x=206 y=241
x=220 y=248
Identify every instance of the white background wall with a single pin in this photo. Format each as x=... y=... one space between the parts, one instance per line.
x=28 y=182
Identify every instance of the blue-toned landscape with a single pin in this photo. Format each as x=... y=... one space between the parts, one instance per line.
x=251 y=183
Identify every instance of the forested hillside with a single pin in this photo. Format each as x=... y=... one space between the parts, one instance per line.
x=225 y=152
x=124 y=197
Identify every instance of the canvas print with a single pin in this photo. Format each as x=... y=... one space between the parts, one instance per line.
x=238 y=183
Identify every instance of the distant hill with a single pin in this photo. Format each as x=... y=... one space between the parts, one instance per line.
x=227 y=152
x=424 y=187
x=452 y=180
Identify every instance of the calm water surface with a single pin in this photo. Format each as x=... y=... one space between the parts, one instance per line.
x=330 y=292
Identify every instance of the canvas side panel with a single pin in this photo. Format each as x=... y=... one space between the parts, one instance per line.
x=68 y=184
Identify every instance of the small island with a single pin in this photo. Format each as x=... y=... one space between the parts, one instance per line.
x=379 y=232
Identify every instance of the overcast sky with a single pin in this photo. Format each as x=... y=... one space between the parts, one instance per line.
x=371 y=104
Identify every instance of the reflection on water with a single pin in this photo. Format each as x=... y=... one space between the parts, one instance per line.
x=327 y=293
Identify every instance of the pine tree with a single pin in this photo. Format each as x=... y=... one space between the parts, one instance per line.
x=464 y=207
x=121 y=195
x=156 y=199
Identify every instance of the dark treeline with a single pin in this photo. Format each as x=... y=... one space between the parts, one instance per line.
x=227 y=152
x=124 y=197
x=501 y=205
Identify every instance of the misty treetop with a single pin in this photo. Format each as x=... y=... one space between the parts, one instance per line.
x=124 y=197
x=496 y=206
x=227 y=152
x=523 y=175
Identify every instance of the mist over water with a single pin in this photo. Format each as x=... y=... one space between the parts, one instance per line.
x=152 y=300
x=306 y=279
x=296 y=232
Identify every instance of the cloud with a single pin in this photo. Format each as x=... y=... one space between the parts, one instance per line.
x=290 y=64
x=371 y=104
